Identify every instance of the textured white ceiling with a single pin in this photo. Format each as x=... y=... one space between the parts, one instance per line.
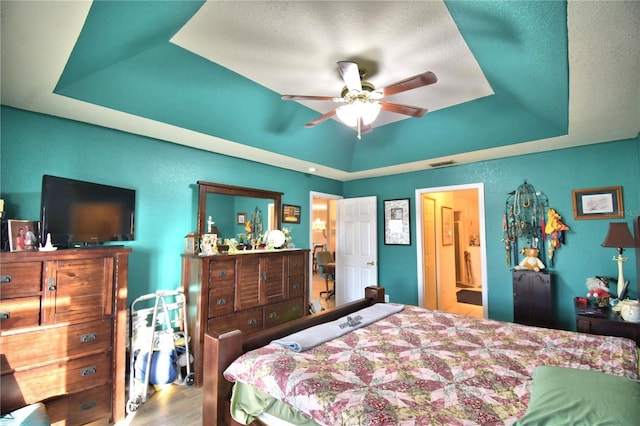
x=270 y=43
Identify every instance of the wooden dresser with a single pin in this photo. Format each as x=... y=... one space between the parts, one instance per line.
x=249 y=292
x=63 y=333
x=606 y=322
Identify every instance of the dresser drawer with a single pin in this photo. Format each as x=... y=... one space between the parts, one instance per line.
x=56 y=379
x=20 y=312
x=46 y=345
x=222 y=274
x=296 y=264
x=20 y=279
x=221 y=301
x=296 y=285
x=81 y=408
x=248 y=322
x=279 y=313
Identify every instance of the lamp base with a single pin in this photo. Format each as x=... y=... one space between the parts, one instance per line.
x=620 y=259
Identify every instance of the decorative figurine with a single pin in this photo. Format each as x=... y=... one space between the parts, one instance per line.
x=531 y=260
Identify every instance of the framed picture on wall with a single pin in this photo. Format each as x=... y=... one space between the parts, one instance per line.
x=22 y=235
x=447 y=226
x=290 y=213
x=598 y=203
x=397 y=222
x=241 y=218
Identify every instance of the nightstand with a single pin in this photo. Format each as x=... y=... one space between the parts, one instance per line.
x=608 y=324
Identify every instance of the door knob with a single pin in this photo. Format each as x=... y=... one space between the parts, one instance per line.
x=371 y=263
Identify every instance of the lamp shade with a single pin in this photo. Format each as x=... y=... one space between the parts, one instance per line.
x=350 y=113
x=619 y=236
x=318 y=225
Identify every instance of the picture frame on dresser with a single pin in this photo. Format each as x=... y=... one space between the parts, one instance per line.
x=23 y=234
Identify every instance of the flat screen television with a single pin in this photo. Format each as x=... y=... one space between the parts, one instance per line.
x=78 y=213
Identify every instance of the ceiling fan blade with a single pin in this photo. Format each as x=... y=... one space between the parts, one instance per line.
x=414 y=82
x=322 y=118
x=403 y=109
x=309 y=98
x=351 y=75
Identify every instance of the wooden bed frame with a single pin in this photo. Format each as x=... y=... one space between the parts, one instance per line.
x=221 y=350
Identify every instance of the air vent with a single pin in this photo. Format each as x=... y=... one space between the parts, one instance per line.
x=443 y=163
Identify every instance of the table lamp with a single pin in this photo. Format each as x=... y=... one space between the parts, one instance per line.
x=620 y=237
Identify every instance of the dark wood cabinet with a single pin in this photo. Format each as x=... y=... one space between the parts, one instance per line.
x=533 y=298
x=63 y=333
x=246 y=291
x=606 y=323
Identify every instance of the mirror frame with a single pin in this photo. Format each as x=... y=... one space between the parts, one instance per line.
x=205 y=188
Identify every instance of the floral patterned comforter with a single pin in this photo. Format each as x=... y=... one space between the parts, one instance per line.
x=421 y=367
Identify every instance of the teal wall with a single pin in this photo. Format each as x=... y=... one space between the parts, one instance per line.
x=556 y=174
x=163 y=174
x=165 y=177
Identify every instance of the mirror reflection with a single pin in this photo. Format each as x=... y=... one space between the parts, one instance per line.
x=232 y=211
x=233 y=216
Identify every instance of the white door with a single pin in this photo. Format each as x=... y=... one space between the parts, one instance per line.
x=429 y=248
x=357 y=248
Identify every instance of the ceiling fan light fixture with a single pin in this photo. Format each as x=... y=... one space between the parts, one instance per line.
x=351 y=113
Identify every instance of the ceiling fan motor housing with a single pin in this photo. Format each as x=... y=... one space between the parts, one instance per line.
x=366 y=86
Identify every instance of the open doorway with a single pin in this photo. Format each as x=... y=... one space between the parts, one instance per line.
x=451 y=249
x=322 y=237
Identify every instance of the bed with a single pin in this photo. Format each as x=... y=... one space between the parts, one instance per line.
x=415 y=366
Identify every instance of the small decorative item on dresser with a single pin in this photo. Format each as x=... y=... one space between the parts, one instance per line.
x=22 y=235
x=191 y=243
x=209 y=246
x=599 y=288
x=630 y=310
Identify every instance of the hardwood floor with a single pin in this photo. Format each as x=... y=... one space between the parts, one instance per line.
x=169 y=405
x=318 y=284
x=466 y=308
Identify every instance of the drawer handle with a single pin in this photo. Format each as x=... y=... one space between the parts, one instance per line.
x=88 y=405
x=221 y=302
x=89 y=337
x=4 y=279
x=295 y=308
x=252 y=321
x=295 y=286
x=222 y=273
x=88 y=371
x=273 y=315
x=5 y=315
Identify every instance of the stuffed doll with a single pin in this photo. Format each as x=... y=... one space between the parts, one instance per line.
x=531 y=260
x=599 y=288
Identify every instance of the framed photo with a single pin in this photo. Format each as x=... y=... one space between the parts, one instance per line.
x=22 y=235
x=447 y=226
x=397 y=222
x=290 y=213
x=598 y=203
x=241 y=218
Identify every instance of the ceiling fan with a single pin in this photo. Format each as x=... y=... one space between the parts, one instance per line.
x=362 y=102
